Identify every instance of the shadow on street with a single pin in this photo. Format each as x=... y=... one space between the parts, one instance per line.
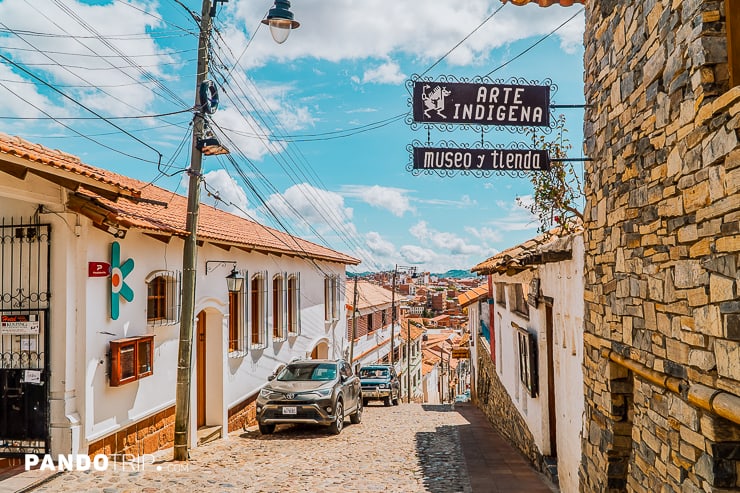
x=441 y=460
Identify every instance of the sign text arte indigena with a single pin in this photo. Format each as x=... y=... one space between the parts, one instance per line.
x=483 y=104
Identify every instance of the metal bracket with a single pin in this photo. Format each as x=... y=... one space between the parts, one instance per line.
x=219 y=263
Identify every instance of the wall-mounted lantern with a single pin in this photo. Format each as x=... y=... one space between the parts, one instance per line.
x=234 y=281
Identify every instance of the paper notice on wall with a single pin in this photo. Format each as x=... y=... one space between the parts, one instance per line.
x=29 y=344
x=32 y=376
x=25 y=324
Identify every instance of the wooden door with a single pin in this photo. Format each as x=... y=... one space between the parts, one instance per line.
x=551 y=411
x=200 y=349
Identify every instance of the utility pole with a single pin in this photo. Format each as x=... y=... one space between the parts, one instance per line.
x=190 y=252
x=354 y=328
x=408 y=358
x=393 y=316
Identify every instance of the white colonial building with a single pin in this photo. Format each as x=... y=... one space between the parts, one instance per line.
x=90 y=274
x=529 y=374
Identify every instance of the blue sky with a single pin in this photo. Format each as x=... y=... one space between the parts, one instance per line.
x=315 y=125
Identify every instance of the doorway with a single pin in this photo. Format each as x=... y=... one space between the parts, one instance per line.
x=200 y=371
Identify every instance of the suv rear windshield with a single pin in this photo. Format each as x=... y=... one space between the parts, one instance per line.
x=308 y=371
x=373 y=372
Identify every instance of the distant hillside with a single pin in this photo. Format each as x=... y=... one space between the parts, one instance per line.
x=456 y=274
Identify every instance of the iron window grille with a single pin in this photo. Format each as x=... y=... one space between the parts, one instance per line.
x=164 y=292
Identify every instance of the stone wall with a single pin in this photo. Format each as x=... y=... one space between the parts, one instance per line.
x=157 y=432
x=493 y=399
x=662 y=239
x=243 y=414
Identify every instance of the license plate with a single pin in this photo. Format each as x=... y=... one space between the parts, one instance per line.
x=290 y=410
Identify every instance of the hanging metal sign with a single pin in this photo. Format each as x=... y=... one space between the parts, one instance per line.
x=481 y=104
x=441 y=158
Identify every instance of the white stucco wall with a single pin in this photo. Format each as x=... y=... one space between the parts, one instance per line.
x=563 y=282
x=84 y=407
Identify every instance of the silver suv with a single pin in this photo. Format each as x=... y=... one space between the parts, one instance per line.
x=311 y=391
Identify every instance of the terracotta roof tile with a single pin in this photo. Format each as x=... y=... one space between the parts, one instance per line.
x=53 y=158
x=533 y=251
x=546 y=3
x=368 y=295
x=161 y=211
x=473 y=295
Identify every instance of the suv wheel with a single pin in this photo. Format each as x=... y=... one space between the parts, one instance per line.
x=356 y=417
x=387 y=401
x=336 y=427
x=395 y=401
x=267 y=429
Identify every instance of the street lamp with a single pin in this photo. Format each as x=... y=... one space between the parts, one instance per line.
x=278 y=17
x=234 y=281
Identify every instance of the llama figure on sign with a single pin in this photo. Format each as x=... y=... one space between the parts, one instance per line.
x=434 y=100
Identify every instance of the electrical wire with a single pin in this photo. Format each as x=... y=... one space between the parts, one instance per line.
x=531 y=47
x=464 y=39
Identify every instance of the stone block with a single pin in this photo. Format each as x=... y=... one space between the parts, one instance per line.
x=732 y=326
x=701 y=248
x=728 y=354
x=704 y=360
x=688 y=234
x=670 y=207
x=721 y=288
x=692 y=437
x=717 y=209
x=676 y=351
x=689 y=274
x=728 y=244
x=708 y=320
x=697 y=296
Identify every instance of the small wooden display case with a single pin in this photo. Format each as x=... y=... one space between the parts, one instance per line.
x=131 y=358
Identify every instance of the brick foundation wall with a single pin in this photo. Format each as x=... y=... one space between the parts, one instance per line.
x=496 y=404
x=157 y=432
x=662 y=240
x=243 y=414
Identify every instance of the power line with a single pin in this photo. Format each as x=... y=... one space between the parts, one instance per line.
x=464 y=39
x=535 y=44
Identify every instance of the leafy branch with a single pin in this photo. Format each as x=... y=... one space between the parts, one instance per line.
x=559 y=191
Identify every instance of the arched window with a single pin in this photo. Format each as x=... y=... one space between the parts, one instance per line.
x=163 y=298
x=279 y=307
x=258 y=310
x=294 y=304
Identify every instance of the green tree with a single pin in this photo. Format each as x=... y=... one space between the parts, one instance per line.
x=558 y=193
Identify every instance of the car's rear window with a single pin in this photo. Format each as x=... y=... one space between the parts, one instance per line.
x=308 y=371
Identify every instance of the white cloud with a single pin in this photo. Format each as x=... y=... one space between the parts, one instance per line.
x=359 y=29
x=485 y=234
x=379 y=246
x=518 y=218
x=444 y=241
x=73 y=56
x=413 y=254
x=223 y=192
x=387 y=73
x=310 y=207
x=22 y=98
x=394 y=200
x=244 y=133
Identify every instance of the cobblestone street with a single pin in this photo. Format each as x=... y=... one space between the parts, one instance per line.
x=407 y=448
x=380 y=454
